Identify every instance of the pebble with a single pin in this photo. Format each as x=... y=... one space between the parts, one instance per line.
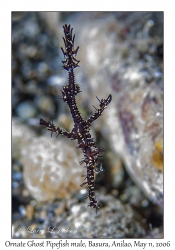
x=45 y=104
x=26 y=110
x=17 y=176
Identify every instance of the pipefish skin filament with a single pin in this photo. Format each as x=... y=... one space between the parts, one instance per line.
x=81 y=129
